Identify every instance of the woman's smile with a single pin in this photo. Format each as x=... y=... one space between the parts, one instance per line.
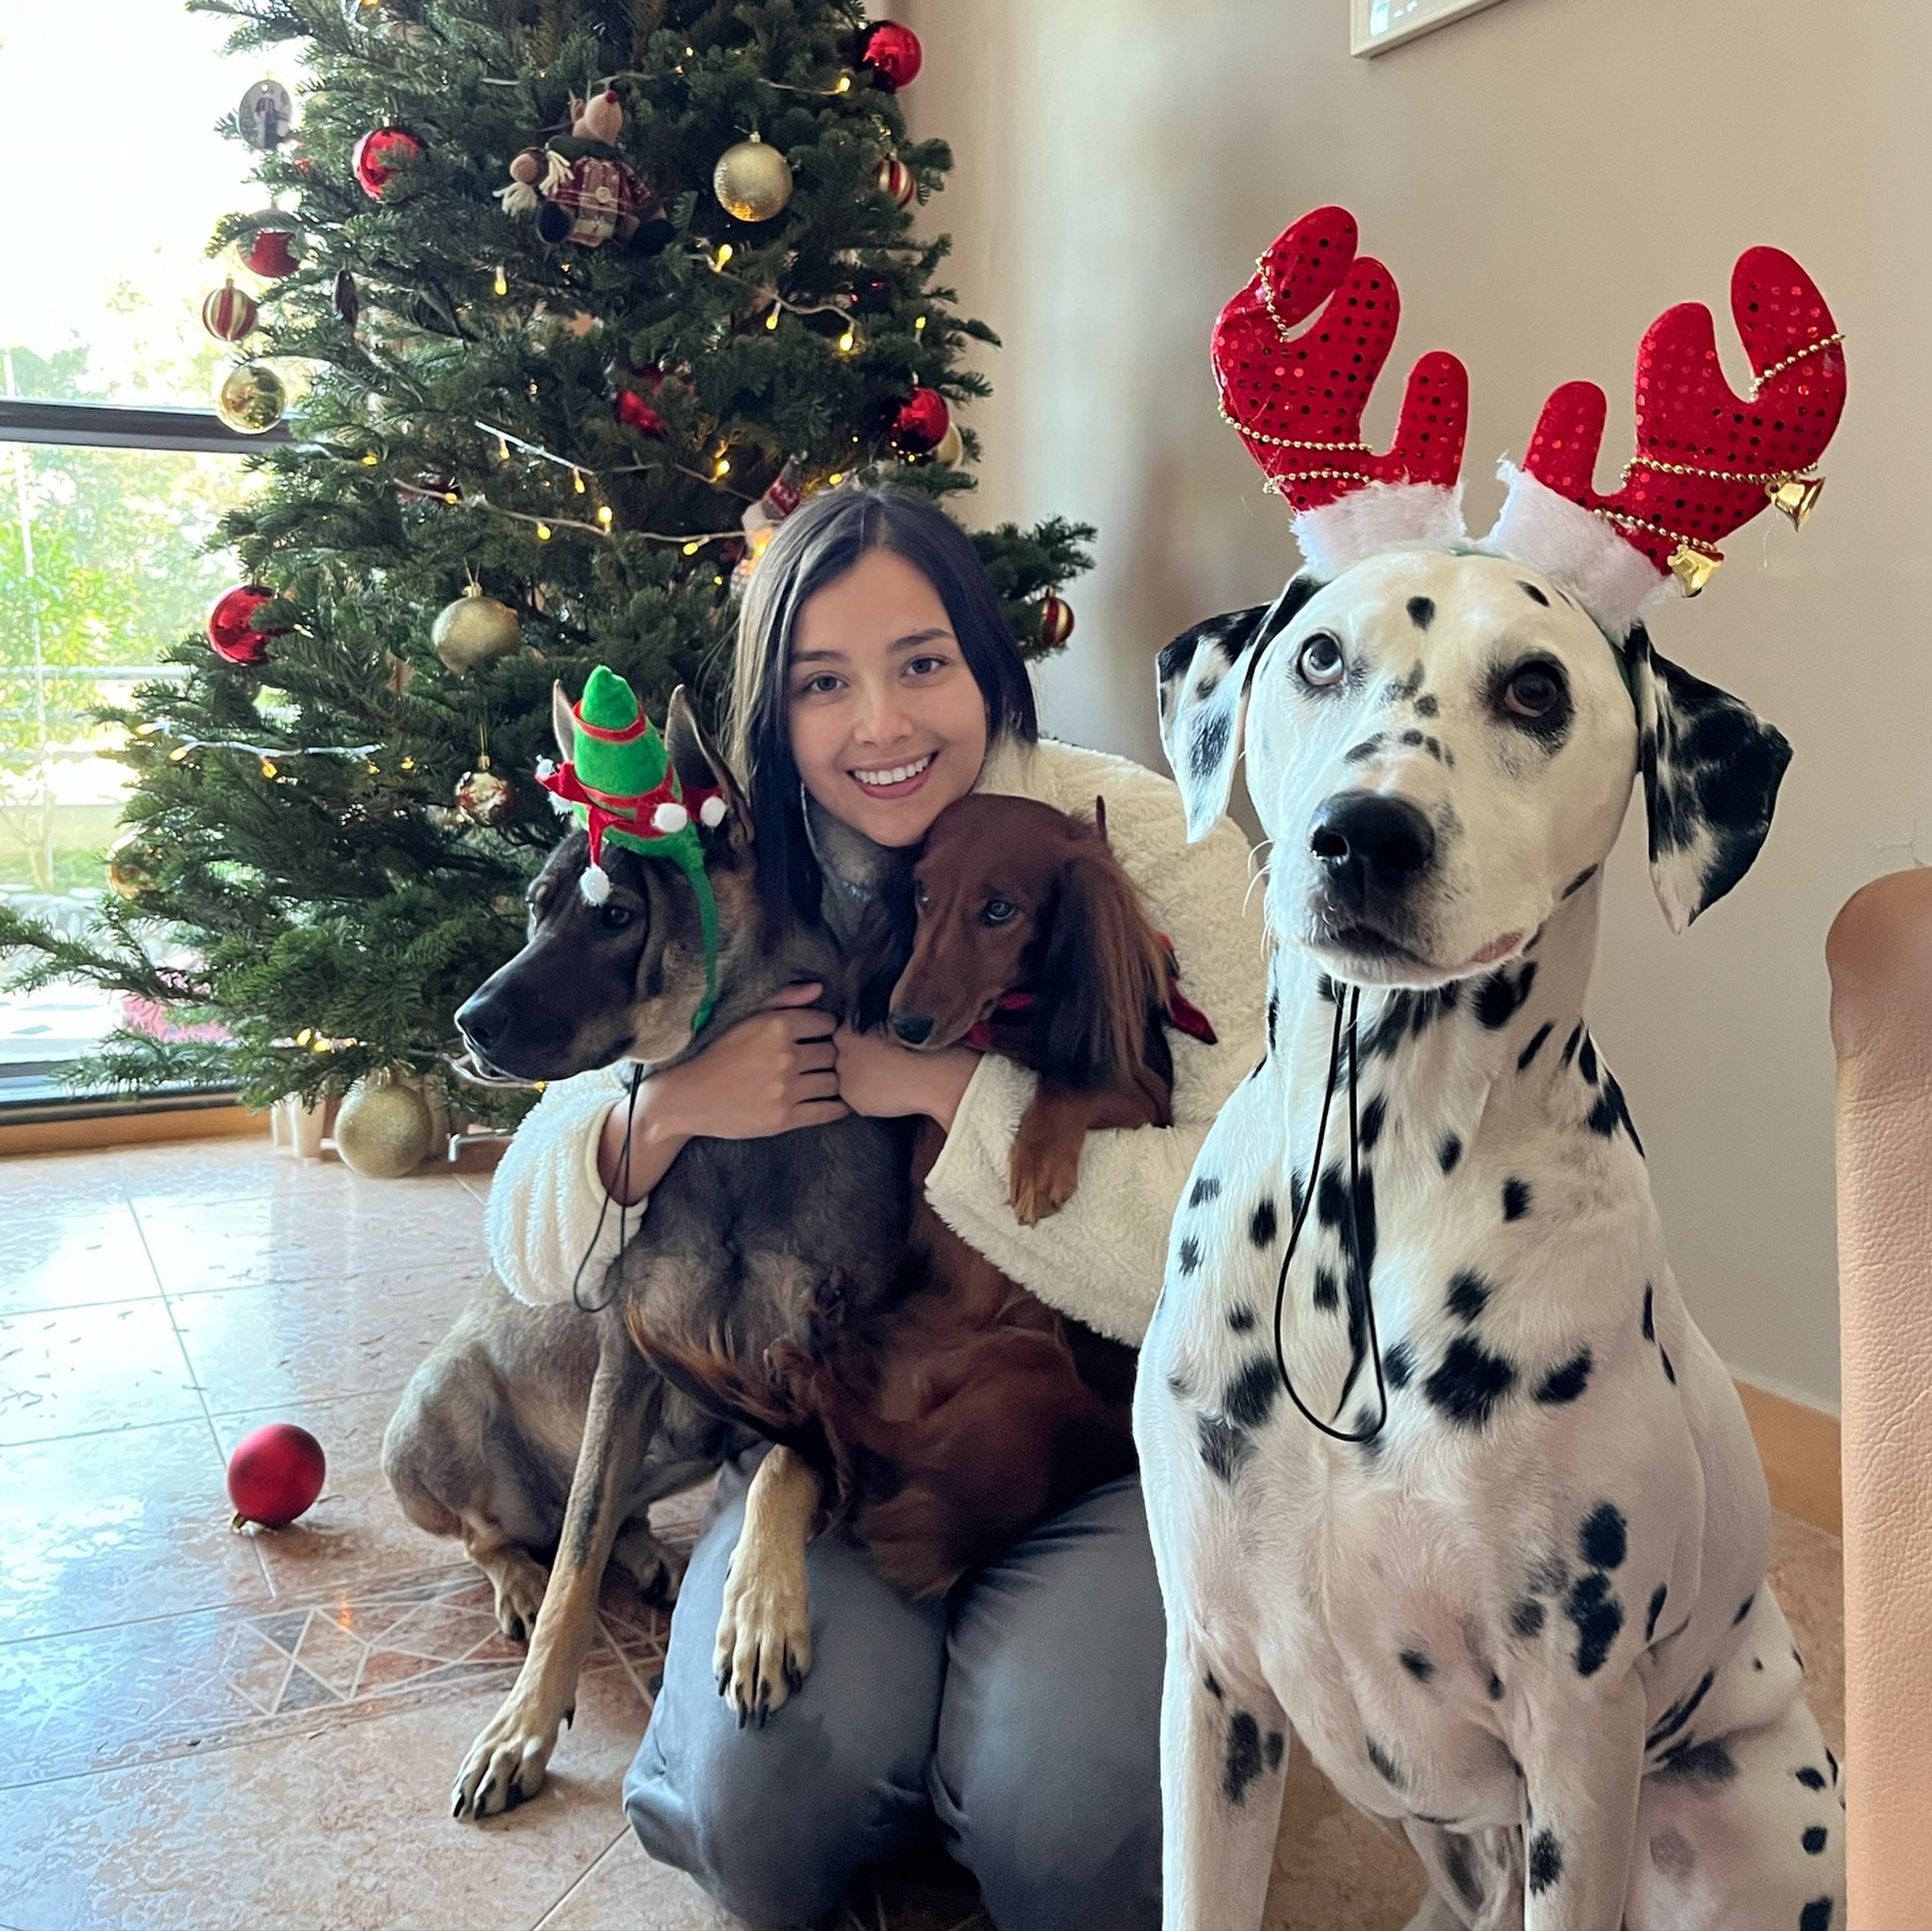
x=895 y=781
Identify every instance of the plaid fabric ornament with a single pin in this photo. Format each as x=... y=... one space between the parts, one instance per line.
x=620 y=786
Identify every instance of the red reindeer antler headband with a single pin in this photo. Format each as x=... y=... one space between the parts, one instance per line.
x=1707 y=461
x=1298 y=399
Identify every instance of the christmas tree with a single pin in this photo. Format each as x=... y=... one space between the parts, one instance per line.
x=583 y=296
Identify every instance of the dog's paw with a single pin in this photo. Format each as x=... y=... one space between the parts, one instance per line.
x=658 y=1571
x=763 y=1648
x=1044 y=1175
x=519 y=1582
x=507 y=1761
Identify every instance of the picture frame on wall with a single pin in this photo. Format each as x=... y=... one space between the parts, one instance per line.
x=1376 y=25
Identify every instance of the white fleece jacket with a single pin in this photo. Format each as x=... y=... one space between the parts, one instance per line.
x=1100 y=1258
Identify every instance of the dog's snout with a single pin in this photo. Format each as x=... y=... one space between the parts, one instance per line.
x=481 y=1018
x=1370 y=844
x=912 y=1028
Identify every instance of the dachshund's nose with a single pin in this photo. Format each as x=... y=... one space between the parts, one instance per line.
x=912 y=1028
x=1371 y=845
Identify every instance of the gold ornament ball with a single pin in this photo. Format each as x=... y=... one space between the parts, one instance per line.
x=751 y=180
x=484 y=796
x=251 y=399
x=950 y=447
x=474 y=631
x=130 y=868
x=383 y=1129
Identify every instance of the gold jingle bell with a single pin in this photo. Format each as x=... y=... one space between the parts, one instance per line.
x=475 y=631
x=1693 y=569
x=1797 y=496
x=751 y=180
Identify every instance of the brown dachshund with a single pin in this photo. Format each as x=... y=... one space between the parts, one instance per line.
x=956 y=1421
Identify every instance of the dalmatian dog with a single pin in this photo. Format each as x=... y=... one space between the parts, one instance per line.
x=1441 y=1475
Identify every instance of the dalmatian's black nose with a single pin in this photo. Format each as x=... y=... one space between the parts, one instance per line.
x=1371 y=846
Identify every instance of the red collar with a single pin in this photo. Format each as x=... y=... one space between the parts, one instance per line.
x=1182 y=1014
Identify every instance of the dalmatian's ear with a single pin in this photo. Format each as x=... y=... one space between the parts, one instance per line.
x=1203 y=677
x=1711 y=772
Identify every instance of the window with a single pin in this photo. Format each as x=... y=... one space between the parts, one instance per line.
x=114 y=470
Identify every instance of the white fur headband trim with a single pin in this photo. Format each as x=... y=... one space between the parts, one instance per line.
x=1614 y=583
x=1379 y=516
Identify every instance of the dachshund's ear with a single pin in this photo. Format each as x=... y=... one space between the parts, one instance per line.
x=1095 y=979
x=1204 y=677
x=880 y=950
x=1711 y=771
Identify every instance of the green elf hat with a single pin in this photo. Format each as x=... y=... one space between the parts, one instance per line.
x=619 y=784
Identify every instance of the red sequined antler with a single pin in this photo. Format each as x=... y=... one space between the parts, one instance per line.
x=1297 y=399
x=1707 y=460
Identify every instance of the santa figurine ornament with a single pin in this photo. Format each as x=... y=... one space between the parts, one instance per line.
x=580 y=188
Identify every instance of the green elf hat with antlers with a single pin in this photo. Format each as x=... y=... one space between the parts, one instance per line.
x=619 y=784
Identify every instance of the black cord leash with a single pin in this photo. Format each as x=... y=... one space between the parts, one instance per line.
x=604 y=1211
x=1354 y=1240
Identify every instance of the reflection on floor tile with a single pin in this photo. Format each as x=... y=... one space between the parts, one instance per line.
x=100 y=1529
x=76 y=1370
x=70 y=1255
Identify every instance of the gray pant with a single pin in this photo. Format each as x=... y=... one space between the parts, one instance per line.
x=1023 y=1712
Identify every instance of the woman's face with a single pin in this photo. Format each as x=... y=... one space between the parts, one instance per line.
x=888 y=727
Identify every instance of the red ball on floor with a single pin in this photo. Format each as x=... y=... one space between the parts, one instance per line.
x=275 y=1474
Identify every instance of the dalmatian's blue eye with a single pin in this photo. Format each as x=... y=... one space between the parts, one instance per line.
x=1319 y=661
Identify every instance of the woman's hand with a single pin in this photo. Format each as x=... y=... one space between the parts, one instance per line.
x=880 y=1078
x=767 y=1074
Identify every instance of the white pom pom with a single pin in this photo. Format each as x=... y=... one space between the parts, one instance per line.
x=713 y=811
x=595 y=884
x=670 y=817
x=560 y=806
x=546 y=767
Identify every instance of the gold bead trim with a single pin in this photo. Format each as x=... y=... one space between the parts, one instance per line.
x=1278 y=485
x=1285 y=442
x=1767 y=479
x=1823 y=343
x=1617 y=516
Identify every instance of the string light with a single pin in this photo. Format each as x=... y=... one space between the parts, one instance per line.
x=604 y=515
x=577 y=480
x=847 y=342
x=721 y=468
x=503 y=447
x=919 y=325
x=268 y=767
x=837 y=477
x=692 y=549
x=772 y=319
x=408 y=764
x=370 y=459
x=844 y=85
x=501 y=285
x=722 y=258
x=543 y=533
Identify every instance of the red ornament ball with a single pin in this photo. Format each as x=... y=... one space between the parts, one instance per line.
x=270 y=253
x=897 y=182
x=378 y=154
x=229 y=315
x=634 y=412
x=231 y=630
x=918 y=422
x=1056 y=620
x=275 y=1474
x=891 y=53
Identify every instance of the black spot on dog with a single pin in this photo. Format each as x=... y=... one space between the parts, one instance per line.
x=1470 y=1382
x=1272 y=1747
x=1188 y=1255
x=1204 y=1190
x=1210 y=742
x=1598 y=1617
x=1812 y=1780
x=1249 y=1398
x=1418 y=1665
x=1426 y=705
x=1385 y=1765
x=1586 y=1060
x=1412 y=738
x=1177 y=1387
x=1241 y=1317
x=1833 y=1761
x=1673 y=1854
x=1398 y=1366
x=1449 y=1153
x=1495 y=1687
x=1816 y=1916
x=1516 y=1199
x=1663 y=1355
x=1244 y=1763
x=1262 y=1223
x=1657 y=1598
x=1569 y=1044
x=1331 y=1198
x=1679 y=1713
x=1225 y=1449
x=1468 y=1295
x=1359 y=754
x=1545 y=1854
x=1374 y=1115
x=1744 y=1609
x=1603 y=1539
x=1526 y=1618
x=1704 y=1765
x=1499 y=995
x=1534 y=1046
x=1212 y=1684
x=1436 y=752
x=1564 y=1384
x=1456 y=1867
x=1370 y=1443
x=1421 y=611
x=1327 y=1289
x=1649 y=1312
x=1534 y=595
x=1549 y=1575
x=1582 y=879
x=1612 y=1111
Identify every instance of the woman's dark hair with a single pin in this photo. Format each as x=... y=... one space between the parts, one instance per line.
x=818 y=542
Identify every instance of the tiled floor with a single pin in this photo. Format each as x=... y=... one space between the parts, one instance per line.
x=201 y=1730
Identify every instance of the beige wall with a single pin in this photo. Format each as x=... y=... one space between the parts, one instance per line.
x=1544 y=178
